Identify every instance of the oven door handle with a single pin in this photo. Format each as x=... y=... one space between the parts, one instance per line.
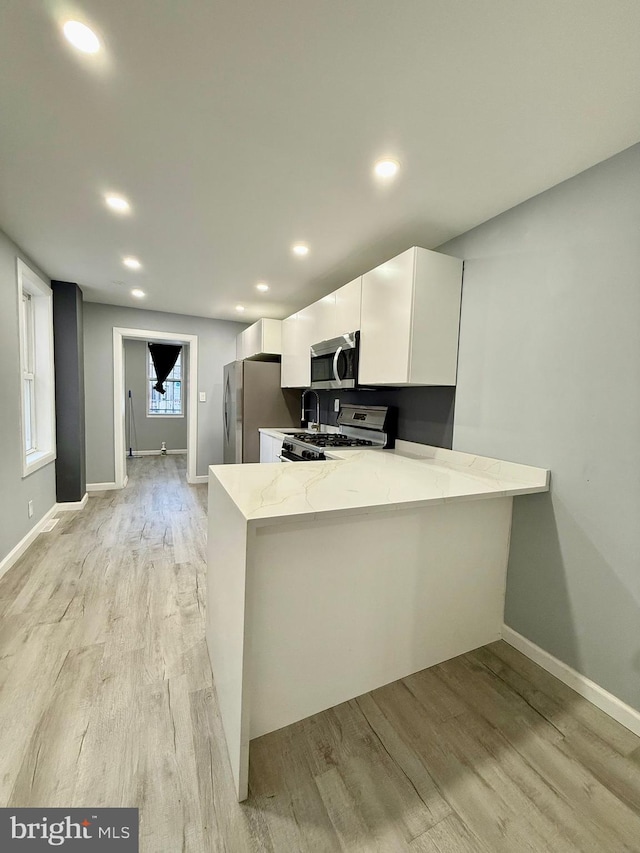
x=284 y=458
x=335 y=364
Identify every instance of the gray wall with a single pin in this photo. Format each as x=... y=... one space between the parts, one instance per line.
x=549 y=374
x=15 y=492
x=150 y=432
x=216 y=347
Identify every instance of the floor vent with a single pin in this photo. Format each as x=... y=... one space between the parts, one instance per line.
x=48 y=527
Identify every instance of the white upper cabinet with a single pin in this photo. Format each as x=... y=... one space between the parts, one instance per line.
x=262 y=338
x=329 y=317
x=346 y=316
x=297 y=334
x=410 y=315
x=337 y=313
x=320 y=317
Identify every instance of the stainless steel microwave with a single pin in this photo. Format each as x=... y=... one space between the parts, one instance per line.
x=334 y=363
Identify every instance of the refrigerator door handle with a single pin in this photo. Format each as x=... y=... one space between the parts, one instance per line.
x=227 y=395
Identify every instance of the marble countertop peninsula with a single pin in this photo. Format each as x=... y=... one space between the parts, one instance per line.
x=356 y=481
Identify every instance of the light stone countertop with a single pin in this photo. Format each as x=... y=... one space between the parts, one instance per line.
x=353 y=482
x=279 y=433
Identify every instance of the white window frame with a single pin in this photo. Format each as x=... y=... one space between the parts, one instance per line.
x=30 y=441
x=150 y=378
x=35 y=330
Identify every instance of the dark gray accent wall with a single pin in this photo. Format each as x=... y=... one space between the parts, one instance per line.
x=549 y=375
x=68 y=342
x=425 y=415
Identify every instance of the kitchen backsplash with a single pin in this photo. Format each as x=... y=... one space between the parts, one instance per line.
x=425 y=414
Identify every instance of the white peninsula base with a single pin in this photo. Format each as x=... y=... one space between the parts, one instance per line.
x=309 y=609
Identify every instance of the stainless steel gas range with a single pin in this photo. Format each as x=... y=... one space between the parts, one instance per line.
x=360 y=426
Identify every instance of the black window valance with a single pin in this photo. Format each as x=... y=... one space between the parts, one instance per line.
x=164 y=357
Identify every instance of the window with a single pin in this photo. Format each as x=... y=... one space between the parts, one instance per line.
x=36 y=370
x=170 y=403
x=28 y=375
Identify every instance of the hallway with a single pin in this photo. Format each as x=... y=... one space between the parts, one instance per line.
x=105 y=685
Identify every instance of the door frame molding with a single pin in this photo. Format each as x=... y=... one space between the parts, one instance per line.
x=119 y=410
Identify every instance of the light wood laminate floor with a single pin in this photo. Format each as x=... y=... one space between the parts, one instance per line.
x=106 y=700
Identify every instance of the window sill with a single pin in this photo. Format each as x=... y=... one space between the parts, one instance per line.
x=35 y=461
x=163 y=416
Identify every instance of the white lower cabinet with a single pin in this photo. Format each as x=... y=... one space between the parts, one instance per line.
x=270 y=448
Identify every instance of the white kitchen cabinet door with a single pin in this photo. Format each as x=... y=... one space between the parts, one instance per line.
x=320 y=317
x=337 y=313
x=270 y=448
x=262 y=338
x=296 y=340
x=266 y=451
x=276 y=448
x=410 y=319
x=243 y=342
x=309 y=326
x=347 y=308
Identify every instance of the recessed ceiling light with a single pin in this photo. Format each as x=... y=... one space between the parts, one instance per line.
x=117 y=203
x=386 y=168
x=240 y=308
x=262 y=286
x=137 y=293
x=81 y=37
x=300 y=249
x=132 y=263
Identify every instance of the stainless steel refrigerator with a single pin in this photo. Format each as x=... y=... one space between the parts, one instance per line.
x=253 y=398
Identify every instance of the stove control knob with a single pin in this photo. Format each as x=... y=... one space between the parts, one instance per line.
x=307 y=454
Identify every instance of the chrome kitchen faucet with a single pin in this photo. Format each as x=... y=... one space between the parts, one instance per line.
x=304 y=408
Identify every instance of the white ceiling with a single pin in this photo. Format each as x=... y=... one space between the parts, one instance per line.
x=236 y=127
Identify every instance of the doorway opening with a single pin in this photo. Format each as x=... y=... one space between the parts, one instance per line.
x=189 y=344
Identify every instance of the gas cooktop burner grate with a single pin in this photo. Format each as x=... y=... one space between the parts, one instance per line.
x=331 y=440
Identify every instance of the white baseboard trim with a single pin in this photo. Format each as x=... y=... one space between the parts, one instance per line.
x=101 y=487
x=201 y=478
x=607 y=702
x=156 y=453
x=73 y=506
x=14 y=555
